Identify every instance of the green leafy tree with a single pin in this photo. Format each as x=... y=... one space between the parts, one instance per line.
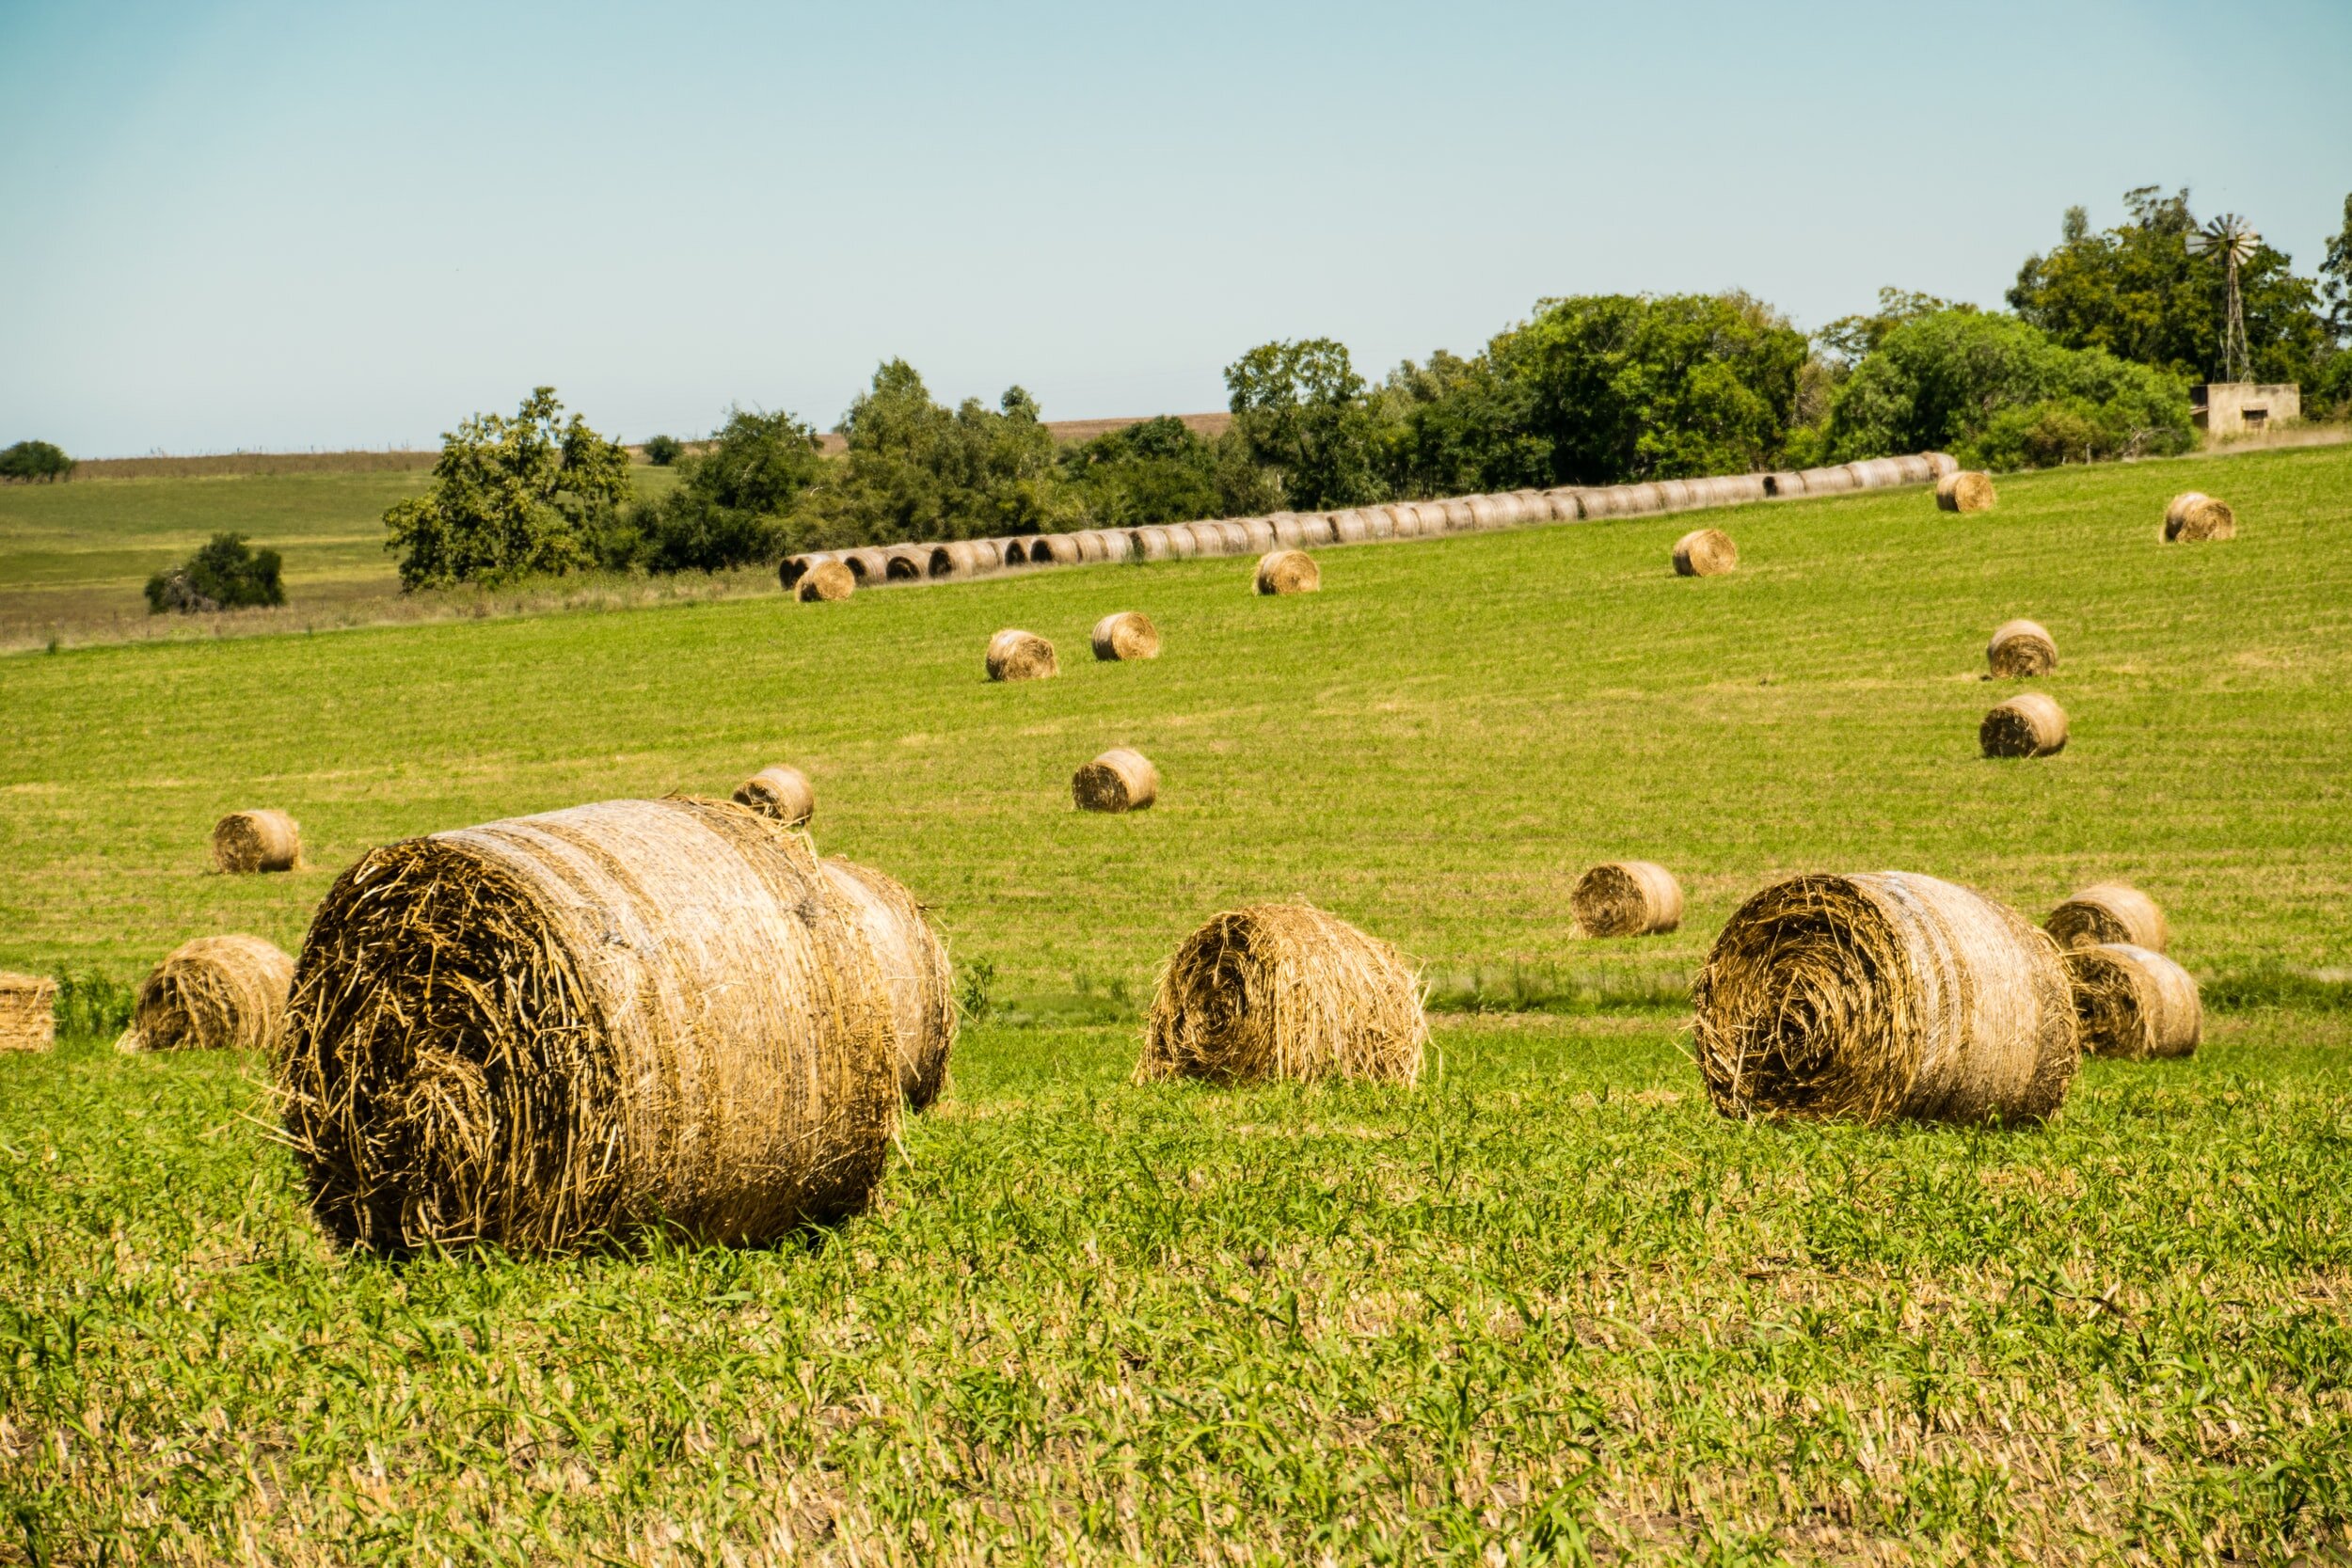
x=510 y=497
x=1301 y=415
x=1154 y=471
x=226 y=573
x=1452 y=426
x=732 y=502
x=34 y=460
x=1850 y=339
x=663 y=450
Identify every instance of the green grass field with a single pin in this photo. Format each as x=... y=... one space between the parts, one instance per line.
x=1547 y=1307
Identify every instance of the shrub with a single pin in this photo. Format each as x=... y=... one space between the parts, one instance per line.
x=510 y=497
x=663 y=450
x=1301 y=415
x=730 y=505
x=226 y=573
x=1155 y=471
x=31 y=460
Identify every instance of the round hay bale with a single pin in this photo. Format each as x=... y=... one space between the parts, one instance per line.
x=2133 y=1003
x=1183 y=543
x=1151 y=544
x=2029 y=724
x=1258 y=533
x=912 y=959
x=1705 y=552
x=1876 y=473
x=28 y=1012
x=1639 y=500
x=1487 y=513
x=1939 y=463
x=1289 y=572
x=1020 y=656
x=1404 y=520
x=1284 y=991
x=957 y=559
x=2110 y=912
x=1118 y=545
x=825 y=582
x=904 y=564
x=1883 y=996
x=1459 y=518
x=868 y=565
x=780 y=792
x=1827 y=482
x=1126 y=634
x=1317 y=527
x=214 y=994
x=793 y=568
x=1234 y=535
x=1627 y=898
x=1740 y=489
x=1677 y=495
x=2020 y=648
x=1965 y=490
x=1091 y=549
x=1054 y=549
x=1348 y=527
x=2194 y=517
x=551 y=1031
x=1287 y=531
x=1915 y=469
x=247 y=841
x=1379 y=521
x=1785 y=485
x=1014 y=551
x=1119 y=779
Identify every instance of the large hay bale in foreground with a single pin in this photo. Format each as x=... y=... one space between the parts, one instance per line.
x=1286 y=990
x=2110 y=912
x=551 y=1030
x=1706 y=552
x=1020 y=656
x=2133 y=1003
x=1627 y=898
x=779 y=791
x=250 y=841
x=1120 y=780
x=2194 y=516
x=912 y=959
x=2030 y=724
x=1883 y=996
x=28 y=1012
x=213 y=993
x=1965 y=490
x=2019 y=649
x=1126 y=634
x=826 y=582
x=1289 y=572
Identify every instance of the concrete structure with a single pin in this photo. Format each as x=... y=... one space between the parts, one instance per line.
x=2244 y=408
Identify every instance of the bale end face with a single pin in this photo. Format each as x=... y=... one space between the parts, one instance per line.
x=1281 y=571
x=2029 y=725
x=2021 y=649
x=1627 y=898
x=1020 y=656
x=2133 y=1003
x=826 y=582
x=780 y=792
x=1126 y=635
x=2110 y=912
x=1119 y=779
x=1966 y=490
x=213 y=993
x=252 y=841
x=1706 y=552
x=2194 y=517
x=28 y=1012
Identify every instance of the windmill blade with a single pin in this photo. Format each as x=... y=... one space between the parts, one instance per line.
x=2199 y=243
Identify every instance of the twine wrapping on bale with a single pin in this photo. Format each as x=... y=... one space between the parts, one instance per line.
x=2110 y=912
x=1705 y=552
x=28 y=1012
x=248 y=841
x=547 y=1031
x=2132 y=1002
x=1126 y=634
x=2030 y=724
x=1284 y=991
x=1627 y=898
x=779 y=791
x=825 y=582
x=2195 y=516
x=1883 y=995
x=1289 y=572
x=1965 y=490
x=1119 y=779
x=1020 y=656
x=912 y=959
x=214 y=994
x=2020 y=648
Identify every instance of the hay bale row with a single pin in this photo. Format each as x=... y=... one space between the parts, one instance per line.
x=28 y=1012
x=213 y=993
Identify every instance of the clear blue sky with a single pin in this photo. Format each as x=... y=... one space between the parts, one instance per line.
x=324 y=226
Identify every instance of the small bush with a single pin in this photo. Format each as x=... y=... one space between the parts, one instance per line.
x=31 y=460
x=91 y=1006
x=663 y=450
x=226 y=573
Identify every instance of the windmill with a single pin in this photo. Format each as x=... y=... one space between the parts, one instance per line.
x=2234 y=240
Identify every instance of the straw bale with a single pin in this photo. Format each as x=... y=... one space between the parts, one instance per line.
x=2133 y=1003
x=1785 y=485
x=1459 y=518
x=1119 y=779
x=1234 y=535
x=1379 y=521
x=868 y=565
x=2194 y=516
x=1258 y=533
x=2020 y=648
x=1020 y=656
x=1126 y=634
x=1285 y=991
x=1741 y=489
x=2030 y=724
x=1348 y=528
x=1054 y=549
x=1317 y=527
x=1488 y=512
x=1965 y=490
x=1182 y=543
x=2110 y=912
x=825 y=582
x=247 y=841
x=780 y=791
x=904 y=563
x=910 y=956
x=1883 y=995
x=28 y=1012
x=1151 y=543
x=553 y=1032
x=1677 y=495
x=1826 y=482
x=1915 y=469
x=1627 y=898
x=957 y=557
x=794 y=567
x=213 y=993
x=1289 y=572
x=1939 y=463
x=1091 y=547
x=1118 y=545
x=1706 y=552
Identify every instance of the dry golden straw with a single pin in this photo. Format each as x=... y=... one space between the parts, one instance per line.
x=1706 y=552
x=913 y=960
x=28 y=1016
x=779 y=791
x=2030 y=724
x=2020 y=648
x=1289 y=572
x=1055 y=550
x=1883 y=996
x=2110 y=912
x=546 y=1031
x=1965 y=490
x=825 y=582
x=2133 y=1003
x=1119 y=779
x=214 y=994
x=2195 y=516
x=247 y=841
x=1284 y=990
x=1627 y=898
x=1020 y=656
x=1128 y=634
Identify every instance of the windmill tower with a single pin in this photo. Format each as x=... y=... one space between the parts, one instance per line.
x=2234 y=240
